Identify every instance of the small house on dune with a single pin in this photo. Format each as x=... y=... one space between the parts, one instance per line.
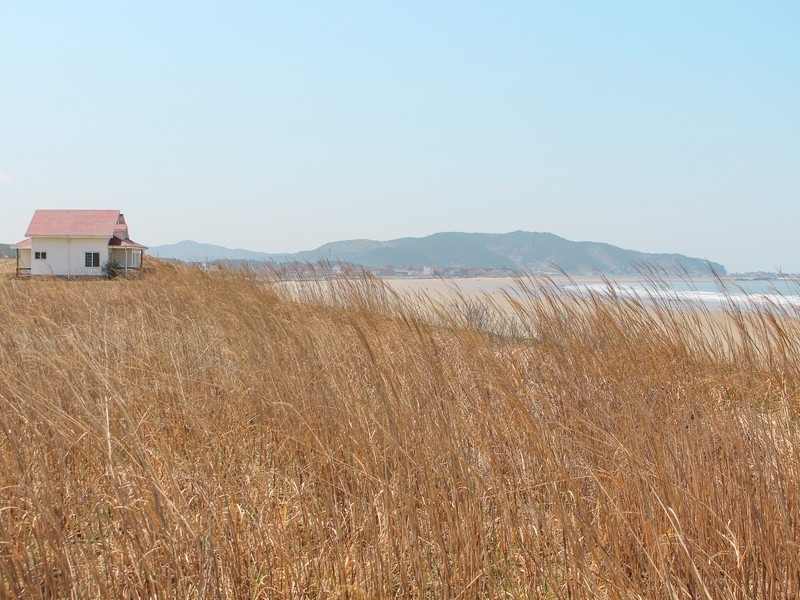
x=75 y=243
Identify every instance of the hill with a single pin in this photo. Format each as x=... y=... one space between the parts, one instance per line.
x=6 y=251
x=190 y=251
x=519 y=251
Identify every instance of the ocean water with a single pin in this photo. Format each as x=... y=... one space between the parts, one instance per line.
x=779 y=295
x=771 y=295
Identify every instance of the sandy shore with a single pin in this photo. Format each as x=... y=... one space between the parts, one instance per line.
x=718 y=327
x=495 y=285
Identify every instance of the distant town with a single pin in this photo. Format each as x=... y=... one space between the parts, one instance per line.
x=306 y=269
x=764 y=276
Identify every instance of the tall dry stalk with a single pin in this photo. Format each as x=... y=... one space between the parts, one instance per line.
x=225 y=434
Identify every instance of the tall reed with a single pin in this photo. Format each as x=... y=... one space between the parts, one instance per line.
x=231 y=434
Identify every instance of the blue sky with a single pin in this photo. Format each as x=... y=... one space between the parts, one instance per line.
x=661 y=127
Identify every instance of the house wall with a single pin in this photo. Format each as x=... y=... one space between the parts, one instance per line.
x=66 y=256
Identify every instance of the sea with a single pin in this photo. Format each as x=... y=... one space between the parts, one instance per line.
x=772 y=295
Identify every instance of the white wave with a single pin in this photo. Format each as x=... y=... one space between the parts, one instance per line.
x=691 y=297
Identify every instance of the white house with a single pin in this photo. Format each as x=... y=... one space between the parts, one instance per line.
x=77 y=243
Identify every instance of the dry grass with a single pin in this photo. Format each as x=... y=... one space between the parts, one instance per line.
x=194 y=434
x=7 y=267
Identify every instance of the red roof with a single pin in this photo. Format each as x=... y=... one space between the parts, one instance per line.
x=26 y=243
x=126 y=243
x=87 y=223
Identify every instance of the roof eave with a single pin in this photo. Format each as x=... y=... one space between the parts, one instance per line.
x=68 y=235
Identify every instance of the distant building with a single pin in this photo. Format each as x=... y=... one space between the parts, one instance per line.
x=75 y=243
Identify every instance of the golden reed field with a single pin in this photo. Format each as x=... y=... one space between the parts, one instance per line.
x=216 y=434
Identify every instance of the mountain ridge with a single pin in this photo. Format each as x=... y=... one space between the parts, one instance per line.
x=515 y=251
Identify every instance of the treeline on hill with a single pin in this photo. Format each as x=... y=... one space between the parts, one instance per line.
x=201 y=433
x=519 y=251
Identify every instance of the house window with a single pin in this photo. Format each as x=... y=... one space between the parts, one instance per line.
x=92 y=259
x=40 y=255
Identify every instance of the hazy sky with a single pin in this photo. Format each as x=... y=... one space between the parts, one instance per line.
x=656 y=126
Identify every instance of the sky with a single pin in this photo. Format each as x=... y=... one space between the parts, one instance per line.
x=654 y=126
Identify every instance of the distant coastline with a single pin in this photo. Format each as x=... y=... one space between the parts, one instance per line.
x=458 y=254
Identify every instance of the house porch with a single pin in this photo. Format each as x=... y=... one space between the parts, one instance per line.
x=23 y=261
x=127 y=258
